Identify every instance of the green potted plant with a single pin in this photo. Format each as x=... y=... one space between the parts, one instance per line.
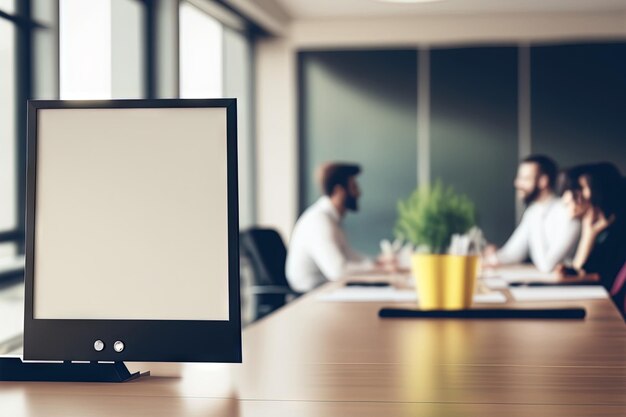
x=429 y=218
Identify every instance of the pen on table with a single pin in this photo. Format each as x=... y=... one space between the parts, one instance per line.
x=367 y=284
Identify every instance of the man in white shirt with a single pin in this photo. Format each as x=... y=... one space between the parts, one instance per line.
x=318 y=249
x=546 y=233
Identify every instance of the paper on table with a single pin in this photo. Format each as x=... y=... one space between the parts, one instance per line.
x=386 y=294
x=524 y=274
x=556 y=293
x=493 y=297
x=495 y=283
x=355 y=294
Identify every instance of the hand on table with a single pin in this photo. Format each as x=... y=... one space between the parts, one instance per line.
x=567 y=274
x=489 y=259
x=386 y=263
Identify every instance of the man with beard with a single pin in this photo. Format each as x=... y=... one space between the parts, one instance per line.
x=318 y=249
x=546 y=233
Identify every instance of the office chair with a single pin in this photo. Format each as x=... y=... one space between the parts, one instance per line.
x=266 y=254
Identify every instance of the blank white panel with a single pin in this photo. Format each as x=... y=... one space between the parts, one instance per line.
x=131 y=214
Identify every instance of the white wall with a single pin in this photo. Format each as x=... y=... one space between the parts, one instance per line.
x=276 y=147
x=276 y=94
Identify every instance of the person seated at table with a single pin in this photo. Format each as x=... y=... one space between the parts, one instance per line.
x=319 y=250
x=595 y=194
x=546 y=233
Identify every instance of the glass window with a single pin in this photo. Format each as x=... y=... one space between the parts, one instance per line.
x=200 y=54
x=12 y=310
x=127 y=40
x=238 y=83
x=101 y=49
x=45 y=52
x=7 y=249
x=7 y=6
x=85 y=49
x=344 y=118
x=8 y=160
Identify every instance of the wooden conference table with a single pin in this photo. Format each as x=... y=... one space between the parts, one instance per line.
x=316 y=358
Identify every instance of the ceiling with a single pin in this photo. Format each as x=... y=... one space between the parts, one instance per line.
x=322 y=9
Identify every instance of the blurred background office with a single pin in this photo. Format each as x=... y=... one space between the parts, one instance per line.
x=459 y=90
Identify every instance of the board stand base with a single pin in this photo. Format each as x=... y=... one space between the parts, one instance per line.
x=14 y=369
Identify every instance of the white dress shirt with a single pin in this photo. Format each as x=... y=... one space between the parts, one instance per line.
x=546 y=233
x=318 y=249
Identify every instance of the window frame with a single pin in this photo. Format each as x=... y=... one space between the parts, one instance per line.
x=24 y=19
x=25 y=25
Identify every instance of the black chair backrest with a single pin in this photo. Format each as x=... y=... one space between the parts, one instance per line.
x=267 y=254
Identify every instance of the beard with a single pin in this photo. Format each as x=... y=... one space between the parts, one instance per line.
x=352 y=203
x=531 y=196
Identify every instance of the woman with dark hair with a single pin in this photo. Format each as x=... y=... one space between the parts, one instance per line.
x=595 y=194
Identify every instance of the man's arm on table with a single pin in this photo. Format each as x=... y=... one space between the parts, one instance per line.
x=515 y=250
x=547 y=256
x=329 y=256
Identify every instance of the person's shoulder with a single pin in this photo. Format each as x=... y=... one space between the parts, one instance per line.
x=314 y=214
x=559 y=214
x=304 y=225
x=530 y=211
x=559 y=208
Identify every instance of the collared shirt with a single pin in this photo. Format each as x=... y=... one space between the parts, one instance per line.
x=318 y=249
x=546 y=233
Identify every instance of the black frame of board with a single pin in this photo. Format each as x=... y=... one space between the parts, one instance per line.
x=145 y=340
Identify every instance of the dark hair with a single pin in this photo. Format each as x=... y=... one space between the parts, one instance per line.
x=568 y=179
x=607 y=187
x=546 y=165
x=606 y=184
x=336 y=173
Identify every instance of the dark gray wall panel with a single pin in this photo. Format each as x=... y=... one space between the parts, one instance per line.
x=474 y=130
x=578 y=101
x=361 y=106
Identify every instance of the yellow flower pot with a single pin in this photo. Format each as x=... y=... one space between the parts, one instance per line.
x=445 y=282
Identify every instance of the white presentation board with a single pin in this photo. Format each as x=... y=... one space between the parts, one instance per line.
x=131 y=214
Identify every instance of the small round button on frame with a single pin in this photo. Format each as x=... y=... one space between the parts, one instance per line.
x=118 y=346
x=98 y=345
